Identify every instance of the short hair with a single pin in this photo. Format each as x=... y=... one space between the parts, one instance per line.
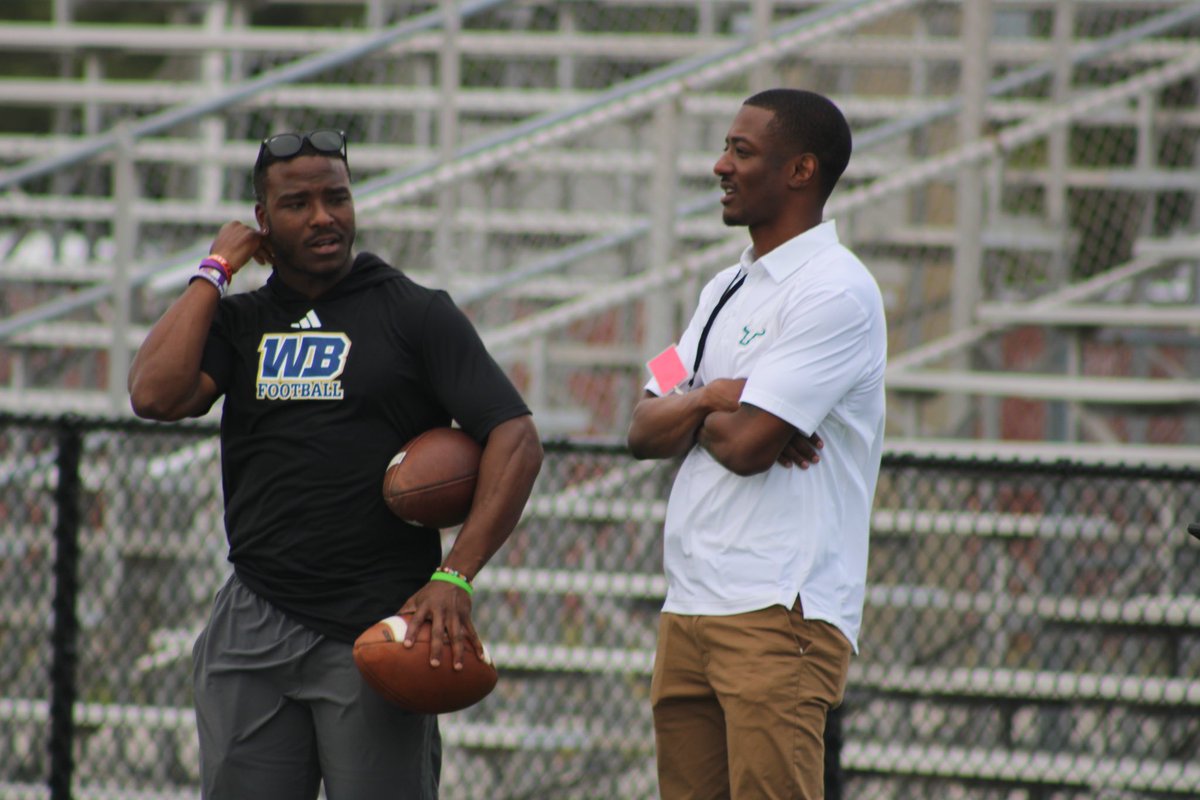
x=265 y=160
x=807 y=122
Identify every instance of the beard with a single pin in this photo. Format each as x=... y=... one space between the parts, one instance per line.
x=296 y=257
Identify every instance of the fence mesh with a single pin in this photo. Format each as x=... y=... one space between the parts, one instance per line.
x=1032 y=630
x=1081 y=187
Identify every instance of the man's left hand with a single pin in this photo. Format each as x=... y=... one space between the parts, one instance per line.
x=801 y=451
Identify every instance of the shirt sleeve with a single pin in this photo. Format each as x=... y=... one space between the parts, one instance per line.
x=815 y=361
x=464 y=377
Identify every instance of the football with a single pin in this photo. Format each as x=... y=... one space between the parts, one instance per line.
x=403 y=675
x=431 y=481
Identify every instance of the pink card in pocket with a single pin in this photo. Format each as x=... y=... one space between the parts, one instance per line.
x=668 y=369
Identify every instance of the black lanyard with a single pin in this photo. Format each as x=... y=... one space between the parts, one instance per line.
x=733 y=286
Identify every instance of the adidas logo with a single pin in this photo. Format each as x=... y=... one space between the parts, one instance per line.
x=308 y=321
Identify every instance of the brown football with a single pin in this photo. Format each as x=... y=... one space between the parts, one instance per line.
x=431 y=481
x=403 y=675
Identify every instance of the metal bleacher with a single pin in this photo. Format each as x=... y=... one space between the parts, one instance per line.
x=1023 y=187
x=549 y=163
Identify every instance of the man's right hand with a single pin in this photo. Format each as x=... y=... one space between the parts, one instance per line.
x=237 y=243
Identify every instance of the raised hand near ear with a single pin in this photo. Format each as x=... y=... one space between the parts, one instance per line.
x=238 y=243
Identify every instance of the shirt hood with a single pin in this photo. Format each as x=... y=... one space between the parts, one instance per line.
x=368 y=270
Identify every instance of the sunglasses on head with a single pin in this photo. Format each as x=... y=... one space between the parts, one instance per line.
x=328 y=141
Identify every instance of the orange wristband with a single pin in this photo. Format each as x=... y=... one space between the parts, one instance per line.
x=221 y=262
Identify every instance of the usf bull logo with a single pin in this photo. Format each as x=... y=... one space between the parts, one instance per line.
x=301 y=366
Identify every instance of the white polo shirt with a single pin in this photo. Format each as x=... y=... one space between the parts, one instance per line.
x=807 y=331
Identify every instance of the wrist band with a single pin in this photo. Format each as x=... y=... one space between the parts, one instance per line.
x=214 y=264
x=213 y=275
x=453 y=576
x=222 y=262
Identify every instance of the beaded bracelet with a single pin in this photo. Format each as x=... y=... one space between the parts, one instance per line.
x=455 y=577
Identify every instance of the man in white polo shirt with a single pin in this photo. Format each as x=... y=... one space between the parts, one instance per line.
x=767 y=525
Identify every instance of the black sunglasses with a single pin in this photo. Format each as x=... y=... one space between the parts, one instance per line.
x=328 y=141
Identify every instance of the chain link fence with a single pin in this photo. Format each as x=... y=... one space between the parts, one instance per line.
x=1032 y=630
x=556 y=237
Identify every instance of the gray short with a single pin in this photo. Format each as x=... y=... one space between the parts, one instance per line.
x=280 y=709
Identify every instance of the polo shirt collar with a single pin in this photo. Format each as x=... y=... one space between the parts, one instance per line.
x=793 y=254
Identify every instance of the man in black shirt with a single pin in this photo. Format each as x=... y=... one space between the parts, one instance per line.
x=326 y=371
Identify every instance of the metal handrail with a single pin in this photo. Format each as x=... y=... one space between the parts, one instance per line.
x=629 y=98
x=668 y=81
x=303 y=68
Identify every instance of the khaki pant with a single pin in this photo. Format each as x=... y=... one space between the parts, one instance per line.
x=740 y=704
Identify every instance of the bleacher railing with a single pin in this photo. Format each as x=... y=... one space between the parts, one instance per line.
x=1032 y=626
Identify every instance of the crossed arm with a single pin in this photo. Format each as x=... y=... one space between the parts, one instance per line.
x=743 y=438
